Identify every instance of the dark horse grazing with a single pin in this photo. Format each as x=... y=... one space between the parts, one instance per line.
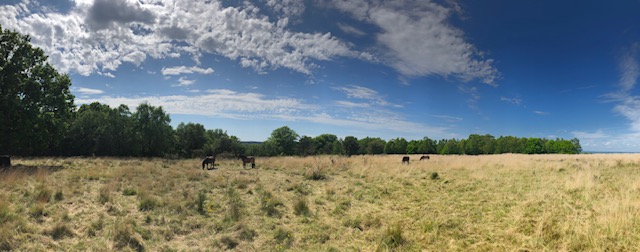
x=424 y=157
x=209 y=160
x=405 y=159
x=246 y=160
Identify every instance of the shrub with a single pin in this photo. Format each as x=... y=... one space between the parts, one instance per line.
x=434 y=176
x=269 y=204
x=392 y=237
x=61 y=230
x=125 y=236
x=129 y=191
x=200 y=202
x=316 y=174
x=234 y=205
x=147 y=202
x=43 y=194
x=283 y=237
x=58 y=196
x=301 y=207
x=229 y=242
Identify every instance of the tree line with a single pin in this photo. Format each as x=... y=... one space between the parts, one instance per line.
x=38 y=117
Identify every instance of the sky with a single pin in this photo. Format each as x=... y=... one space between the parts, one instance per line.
x=404 y=68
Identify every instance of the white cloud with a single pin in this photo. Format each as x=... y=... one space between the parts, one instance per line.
x=417 y=39
x=589 y=135
x=101 y=35
x=448 y=118
x=360 y=92
x=185 y=70
x=516 y=101
x=628 y=105
x=350 y=29
x=538 y=112
x=349 y=104
x=254 y=106
x=182 y=81
x=88 y=91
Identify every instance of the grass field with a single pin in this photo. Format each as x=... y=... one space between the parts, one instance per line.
x=329 y=203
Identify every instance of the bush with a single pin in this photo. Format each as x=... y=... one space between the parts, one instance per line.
x=200 y=202
x=301 y=207
x=434 y=176
x=125 y=236
x=61 y=230
x=234 y=205
x=229 y=242
x=316 y=174
x=129 y=191
x=269 y=204
x=283 y=237
x=392 y=237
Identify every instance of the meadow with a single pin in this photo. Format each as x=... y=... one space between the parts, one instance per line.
x=506 y=202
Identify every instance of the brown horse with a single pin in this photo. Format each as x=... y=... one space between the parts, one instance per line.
x=424 y=157
x=209 y=160
x=246 y=160
x=405 y=159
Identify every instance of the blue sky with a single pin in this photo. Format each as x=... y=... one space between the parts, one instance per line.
x=441 y=69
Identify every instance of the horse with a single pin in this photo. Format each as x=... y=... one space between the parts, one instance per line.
x=246 y=160
x=405 y=159
x=424 y=157
x=209 y=160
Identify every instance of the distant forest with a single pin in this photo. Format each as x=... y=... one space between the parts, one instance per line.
x=38 y=117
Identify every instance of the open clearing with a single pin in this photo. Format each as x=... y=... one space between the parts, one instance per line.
x=329 y=203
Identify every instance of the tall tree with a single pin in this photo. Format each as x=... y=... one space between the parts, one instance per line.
x=306 y=146
x=35 y=102
x=154 y=132
x=324 y=143
x=350 y=145
x=284 y=139
x=191 y=137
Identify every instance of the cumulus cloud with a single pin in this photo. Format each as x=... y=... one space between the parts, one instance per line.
x=185 y=70
x=250 y=106
x=103 y=13
x=417 y=39
x=100 y=35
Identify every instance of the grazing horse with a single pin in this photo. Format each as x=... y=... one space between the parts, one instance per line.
x=405 y=159
x=424 y=157
x=246 y=160
x=209 y=160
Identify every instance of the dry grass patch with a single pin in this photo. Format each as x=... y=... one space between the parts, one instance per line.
x=329 y=203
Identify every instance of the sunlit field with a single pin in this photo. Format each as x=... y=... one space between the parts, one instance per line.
x=329 y=203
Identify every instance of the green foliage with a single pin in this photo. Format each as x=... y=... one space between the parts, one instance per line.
x=154 y=132
x=306 y=146
x=324 y=143
x=396 y=146
x=284 y=140
x=190 y=137
x=350 y=145
x=371 y=146
x=35 y=101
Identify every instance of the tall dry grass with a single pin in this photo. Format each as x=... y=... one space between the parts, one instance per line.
x=329 y=203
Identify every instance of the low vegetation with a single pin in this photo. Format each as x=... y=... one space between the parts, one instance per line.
x=505 y=202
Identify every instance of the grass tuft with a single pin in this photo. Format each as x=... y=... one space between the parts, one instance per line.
x=392 y=238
